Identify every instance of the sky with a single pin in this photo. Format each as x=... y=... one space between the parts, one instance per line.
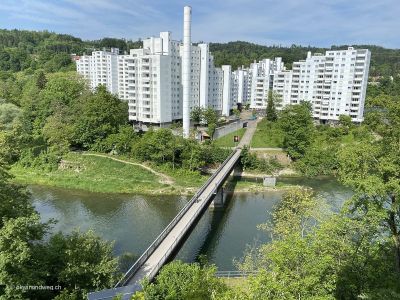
x=320 y=23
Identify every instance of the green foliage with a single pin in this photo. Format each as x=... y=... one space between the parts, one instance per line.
x=81 y=262
x=14 y=200
x=120 y=142
x=227 y=140
x=78 y=262
x=196 y=114
x=250 y=161
x=32 y=50
x=271 y=110
x=236 y=112
x=9 y=113
x=297 y=125
x=161 y=146
x=97 y=116
x=315 y=254
x=18 y=261
x=384 y=62
x=181 y=281
x=268 y=134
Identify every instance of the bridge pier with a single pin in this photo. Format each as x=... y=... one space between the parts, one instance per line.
x=219 y=198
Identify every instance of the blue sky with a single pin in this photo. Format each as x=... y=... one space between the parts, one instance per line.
x=285 y=22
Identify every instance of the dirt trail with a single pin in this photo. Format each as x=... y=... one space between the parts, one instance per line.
x=165 y=179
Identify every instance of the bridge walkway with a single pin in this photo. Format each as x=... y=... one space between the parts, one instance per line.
x=174 y=234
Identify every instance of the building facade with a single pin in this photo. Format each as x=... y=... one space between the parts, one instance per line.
x=334 y=83
x=150 y=80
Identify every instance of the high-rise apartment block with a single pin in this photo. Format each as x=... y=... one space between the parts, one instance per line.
x=165 y=79
x=335 y=83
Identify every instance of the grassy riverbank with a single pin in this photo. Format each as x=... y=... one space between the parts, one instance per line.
x=105 y=175
x=238 y=185
x=101 y=174
x=227 y=140
x=267 y=135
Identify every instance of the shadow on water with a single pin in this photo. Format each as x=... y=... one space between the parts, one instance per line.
x=134 y=221
x=219 y=219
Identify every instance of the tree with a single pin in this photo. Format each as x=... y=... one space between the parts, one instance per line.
x=271 y=110
x=18 y=265
x=9 y=113
x=80 y=262
x=77 y=262
x=372 y=168
x=96 y=116
x=196 y=114
x=14 y=200
x=184 y=281
x=236 y=112
x=41 y=80
x=297 y=124
x=315 y=254
x=345 y=121
x=211 y=118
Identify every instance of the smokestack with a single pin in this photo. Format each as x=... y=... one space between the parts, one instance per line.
x=186 y=57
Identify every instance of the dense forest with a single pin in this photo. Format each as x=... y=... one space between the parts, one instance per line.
x=31 y=50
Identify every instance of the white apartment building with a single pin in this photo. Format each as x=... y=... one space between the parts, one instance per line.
x=334 y=83
x=261 y=76
x=100 y=68
x=150 y=79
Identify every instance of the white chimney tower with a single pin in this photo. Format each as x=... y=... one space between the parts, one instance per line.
x=186 y=58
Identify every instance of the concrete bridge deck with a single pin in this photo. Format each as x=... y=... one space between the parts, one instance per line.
x=169 y=241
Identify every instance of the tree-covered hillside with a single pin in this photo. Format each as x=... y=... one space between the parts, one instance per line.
x=22 y=50
x=384 y=62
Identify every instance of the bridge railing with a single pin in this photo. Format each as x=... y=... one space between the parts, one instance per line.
x=235 y=274
x=195 y=215
x=128 y=275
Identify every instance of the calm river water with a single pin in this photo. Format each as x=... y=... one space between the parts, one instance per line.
x=134 y=221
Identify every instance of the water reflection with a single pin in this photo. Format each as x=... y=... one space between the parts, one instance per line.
x=134 y=221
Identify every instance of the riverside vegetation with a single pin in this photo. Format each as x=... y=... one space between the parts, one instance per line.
x=46 y=111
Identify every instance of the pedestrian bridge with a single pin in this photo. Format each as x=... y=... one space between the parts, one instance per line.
x=168 y=243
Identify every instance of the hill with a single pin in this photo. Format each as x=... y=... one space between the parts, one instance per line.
x=31 y=50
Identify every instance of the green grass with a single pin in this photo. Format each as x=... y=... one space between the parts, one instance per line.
x=232 y=282
x=97 y=174
x=267 y=135
x=101 y=174
x=227 y=140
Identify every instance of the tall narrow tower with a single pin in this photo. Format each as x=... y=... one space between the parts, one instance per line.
x=186 y=57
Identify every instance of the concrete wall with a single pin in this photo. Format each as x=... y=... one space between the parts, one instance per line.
x=224 y=130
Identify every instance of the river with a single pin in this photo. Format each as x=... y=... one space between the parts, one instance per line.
x=134 y=221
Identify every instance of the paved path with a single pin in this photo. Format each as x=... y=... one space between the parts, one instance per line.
x=167 y=246
x=165 y=179
x=267 y=149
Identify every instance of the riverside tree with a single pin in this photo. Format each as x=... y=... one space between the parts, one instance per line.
x=297 y=124
x=79 y=262
x=372 y=169
x=271 y=110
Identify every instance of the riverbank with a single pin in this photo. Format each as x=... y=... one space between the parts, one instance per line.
x=105 y=174
x=238 y=186
x=102 y=173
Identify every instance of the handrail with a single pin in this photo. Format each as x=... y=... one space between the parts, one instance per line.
x=127 y=276
x=195 y=215
x=235 y=273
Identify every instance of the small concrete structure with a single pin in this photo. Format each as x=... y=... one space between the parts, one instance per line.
x=219 y=199
x=269 y=181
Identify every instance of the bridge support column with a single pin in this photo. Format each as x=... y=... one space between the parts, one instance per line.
x=219 y=198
